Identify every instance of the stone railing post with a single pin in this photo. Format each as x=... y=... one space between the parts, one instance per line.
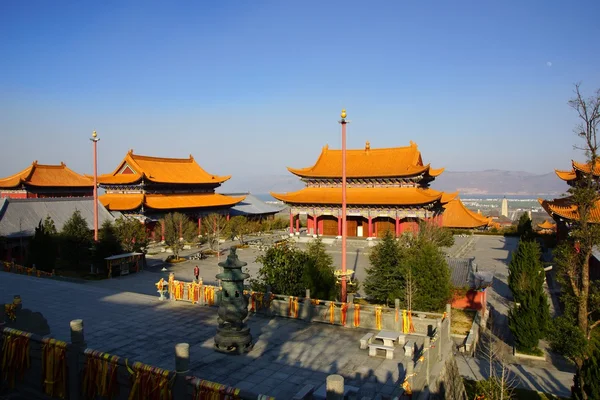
x=397 y=324
x=410 y=368
x=307 y=308
x=201 y=299
x=427 y=354
x=350 y=312
x=266 y=299
x=449 y=316
x=441 y=336
x=335 y=387
x=74 y=355
x=182 y=369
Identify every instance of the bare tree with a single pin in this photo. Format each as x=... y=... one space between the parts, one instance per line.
x=213 y=227
x=573 y=331
x=499 y=383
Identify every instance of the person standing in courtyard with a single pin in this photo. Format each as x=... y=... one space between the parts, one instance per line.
x=196 y=274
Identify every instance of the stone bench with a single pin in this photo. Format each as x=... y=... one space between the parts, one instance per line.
x=389 y=351
x=366 y=340
x=409 y=348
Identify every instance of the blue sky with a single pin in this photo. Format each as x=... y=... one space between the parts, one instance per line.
x=250 y=87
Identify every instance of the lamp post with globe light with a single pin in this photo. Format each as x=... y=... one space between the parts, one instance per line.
x=95 y=140
x=344 y=228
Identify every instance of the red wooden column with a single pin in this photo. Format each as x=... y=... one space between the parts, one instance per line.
x=199 y=226
x=162 y=231
x=339 y=225
x=227 y=216
x=309 y=223
x=397 y=226
x=400 y=227
x=298 y=224
x=370 y=226
x=291 y=222
x=316 y=225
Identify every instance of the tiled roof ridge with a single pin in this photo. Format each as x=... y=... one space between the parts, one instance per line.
x=48 y=199
x=165 y=159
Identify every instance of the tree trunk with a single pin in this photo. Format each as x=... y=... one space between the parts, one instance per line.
x=582 y=314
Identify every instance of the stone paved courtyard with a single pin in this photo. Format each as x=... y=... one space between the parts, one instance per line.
x=288 y=353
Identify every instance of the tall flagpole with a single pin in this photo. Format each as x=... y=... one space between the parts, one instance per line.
x=344 y=226
x=95 y=139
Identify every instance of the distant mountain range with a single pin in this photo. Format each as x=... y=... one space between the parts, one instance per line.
x=488 y=182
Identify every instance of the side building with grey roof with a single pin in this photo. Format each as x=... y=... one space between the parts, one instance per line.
x=254 y=208
x=20 y=217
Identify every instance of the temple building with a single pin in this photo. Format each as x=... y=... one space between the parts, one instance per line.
x=547 y=227
x=150 y=187
x=562 y=210
x=44 y=181
x=387 y=190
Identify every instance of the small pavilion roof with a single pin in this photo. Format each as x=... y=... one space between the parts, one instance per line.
x=565 y=208
x=364 y=196
x=133 y=201
x=42 y=175
x=547 y=225
x=369 y=163
x=135 y=167
x=456 y=215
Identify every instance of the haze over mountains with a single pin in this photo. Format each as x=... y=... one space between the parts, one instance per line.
x=488 y=182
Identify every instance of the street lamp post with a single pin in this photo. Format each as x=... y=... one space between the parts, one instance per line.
x=344 y=227
x=95 y=140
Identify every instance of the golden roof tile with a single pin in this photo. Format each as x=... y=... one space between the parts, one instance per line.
x=456 y=215
x=132 y=201
x=369 y=162
x=41 y=175
x=159 y=170
x=565 y=208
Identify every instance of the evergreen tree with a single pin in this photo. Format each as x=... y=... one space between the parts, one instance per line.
x=385 y=276
x=524 y=227
x=42 y=247
x=430 y=274
x=529 y=318
x=319 y=273
x=177 y=227
x=49 y=226
x=589 y=375
x=132 y=235
x=108 y=242
x=283 y=269
x=76 y=240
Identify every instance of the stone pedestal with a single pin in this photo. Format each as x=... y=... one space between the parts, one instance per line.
x=233 y=335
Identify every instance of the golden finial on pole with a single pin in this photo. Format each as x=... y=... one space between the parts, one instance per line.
x=343 y=115
x=94 y=134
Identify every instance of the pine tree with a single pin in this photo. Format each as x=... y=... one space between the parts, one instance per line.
x=385 y=276
x=76 y=241
x=430 y=273
x=589 y=375
x=42 y=248
x=529 y=318
x=108 y=242
x=282 y=269
x=319 y=273
x=524 y=227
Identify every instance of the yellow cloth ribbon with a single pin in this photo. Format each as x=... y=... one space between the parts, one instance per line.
x=378 y=317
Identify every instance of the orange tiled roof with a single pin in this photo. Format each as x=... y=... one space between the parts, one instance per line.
x=565 y=208
x=362 y=196
x=46 y=176
x=547 y=225
x=456 y=215
x=132 y=201
x=367 y=162
x=160 y=170
x=583 y=167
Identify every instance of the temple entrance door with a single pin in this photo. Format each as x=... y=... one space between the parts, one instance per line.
x=351 y=226
x=330 y=225
x=383 y=225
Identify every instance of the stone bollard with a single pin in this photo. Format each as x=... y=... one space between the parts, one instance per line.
x=350 y=312
x=182 y=368
x=449 y=316
x=397 y=311
x=335 y=387
x=410 y=367
x=74 y=355
x=306 y=311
